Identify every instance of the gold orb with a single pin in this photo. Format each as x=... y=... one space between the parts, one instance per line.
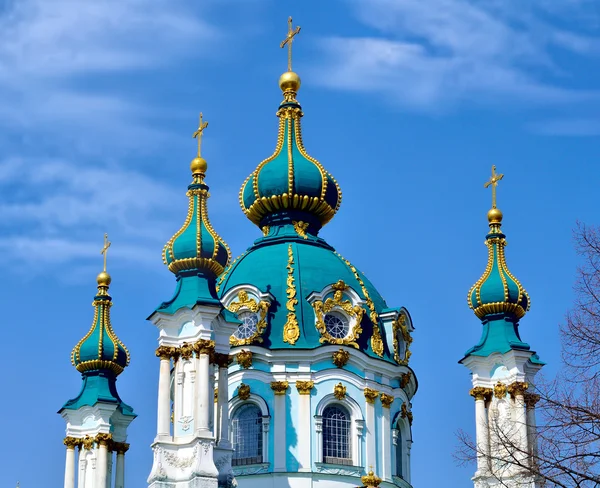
x=494 y=216
x=198 y=165
x=103 y=279
x=289 y=81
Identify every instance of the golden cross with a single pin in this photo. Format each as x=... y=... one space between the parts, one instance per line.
x=288 y=40
x=105 y=249
x=198 y=134
x=493 y=183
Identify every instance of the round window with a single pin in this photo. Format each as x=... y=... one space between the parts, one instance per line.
x=248 y=326
x=336 y=325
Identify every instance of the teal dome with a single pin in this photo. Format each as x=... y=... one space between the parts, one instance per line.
x=100 y=349
x=497 y=291
x=290 y=180
x=300 y=274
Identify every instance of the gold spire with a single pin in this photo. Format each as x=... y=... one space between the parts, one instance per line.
x=104 y=278
x=199 y=164
x=494 y=215
x=289 y=82
x=288 y=40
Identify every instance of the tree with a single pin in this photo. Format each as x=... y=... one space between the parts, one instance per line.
x=568 y=411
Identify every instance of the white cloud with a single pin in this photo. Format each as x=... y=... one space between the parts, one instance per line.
x=430 y=54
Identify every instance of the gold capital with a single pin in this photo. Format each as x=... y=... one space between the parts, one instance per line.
x=371 y=395
x=199 y=133
x=279 y=387
x=304 y=387
x=481 y=393
x=493 y=182
x=288 y=40
x=517 y=388
x=386 y=400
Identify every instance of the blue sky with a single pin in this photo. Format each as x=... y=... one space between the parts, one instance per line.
x=407 y=103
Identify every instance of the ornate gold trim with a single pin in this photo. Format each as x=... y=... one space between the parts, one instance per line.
x=120 y=447
x=517 y=388
x=406 y=413
x=339 y=391
x=244 y=358
x=405 y=379
x=386 y=400
x=400 y=325
x=222 y=360
x=304 y=387
x=88 y=442
x=500 y=390
x=225 y=273
x=204 y=346
x=265 y=230
x=340 y=357
x=243 y=391
x=291 y=329
x=337 y=302
x=531 y=399
x=371 y=395
x=279 y=387
x=259 y=307
x=72 y=442
x=300 y=228
x=481 y=393
x=370 y=480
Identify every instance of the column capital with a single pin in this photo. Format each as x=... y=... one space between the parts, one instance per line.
x=405 y=379
x=166 y=352
x=244 y=358
x=406 y=413
x=120 y=447
x=304 y=387
x=371 y=395
x=481 y=393
x=88 y=442
x=386 y=400
x=71 y=442
x=500 y=390
x=104 y=439
x=222 y=360
x=517 y=388
x=204 y=346
x=279 y=387
x=531 y=399
x=186 y=350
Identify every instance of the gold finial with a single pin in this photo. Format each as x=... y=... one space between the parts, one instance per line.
x=104 y=278
x=288 y=40
x=493 y=183
x=105 y=249
x=198 y=134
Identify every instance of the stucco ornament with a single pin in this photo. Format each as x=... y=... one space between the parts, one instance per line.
x=339 y=391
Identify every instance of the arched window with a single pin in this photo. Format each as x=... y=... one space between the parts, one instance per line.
x=247 y=435
x=398 y=443
x=336 y=435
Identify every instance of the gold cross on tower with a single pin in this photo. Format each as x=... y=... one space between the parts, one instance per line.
x=493 y=183
x=288 y=40
x=198 y=134
x=105 y=249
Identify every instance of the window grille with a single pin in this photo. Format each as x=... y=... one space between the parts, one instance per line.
x=248 y=326
x=336 y=325
x=247 y=435
x=336 y=436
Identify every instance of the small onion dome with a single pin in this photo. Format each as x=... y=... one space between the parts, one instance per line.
x=290 y=179
x=497 y=291
x=196 y=246
x=371 y=480
x=101 y=349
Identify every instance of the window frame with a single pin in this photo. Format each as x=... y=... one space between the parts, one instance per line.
x=234 y=405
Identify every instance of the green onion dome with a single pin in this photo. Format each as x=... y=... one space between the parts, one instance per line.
x=497 y=291
x=290 y=182
x=196 y=246
x=100 y=349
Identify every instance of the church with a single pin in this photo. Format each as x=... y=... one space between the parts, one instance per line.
x=285 y=366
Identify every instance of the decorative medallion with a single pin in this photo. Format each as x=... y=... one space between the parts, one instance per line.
x=400 y=327
x=354 y=311
x=260 y=308
x=300 y=228
x=304 y=387
x=386 y=400
x=481 y=393
x=341 y=357
x=244 y=358
x=371 y=395
x=243 y=391
x=279 y=387
x=291 y=330
x=517 y=388
x=339 y=391
x=500 y=390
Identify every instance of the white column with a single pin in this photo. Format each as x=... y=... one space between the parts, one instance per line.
x=205 y=394
x=279 y=413
x=530 y=400
x=102 y=465
x=386 y=443
x=222 y=407
x=70 y=442
x=521 y=421
x=109 y=469
x=163 y=427
x=360 y=429
x=482 y=440
x=120 y=470
x=397 y=448
x=82 y=468
x=304 y=439
x=407 y=476
x=178 y=407
x=319 y=443
x=371 y=447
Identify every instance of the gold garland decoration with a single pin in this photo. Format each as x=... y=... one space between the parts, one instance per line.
x=291 y=330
